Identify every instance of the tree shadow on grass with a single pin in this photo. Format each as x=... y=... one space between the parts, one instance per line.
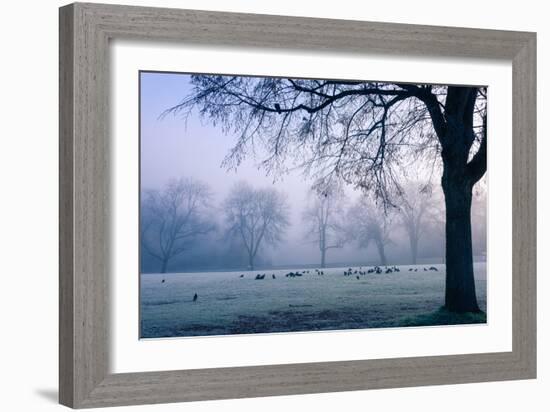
x=444 y=317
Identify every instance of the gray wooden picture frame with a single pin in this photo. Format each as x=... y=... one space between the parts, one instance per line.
x=85 y=32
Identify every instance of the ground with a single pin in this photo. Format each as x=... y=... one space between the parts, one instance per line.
x=230 y=304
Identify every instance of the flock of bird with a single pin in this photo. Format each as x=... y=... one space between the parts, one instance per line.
x=349 y=272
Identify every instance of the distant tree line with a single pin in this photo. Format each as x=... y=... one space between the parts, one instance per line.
x=180 y=225
x=173 y=220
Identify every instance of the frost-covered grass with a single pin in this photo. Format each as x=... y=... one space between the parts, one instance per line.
x=229 y=304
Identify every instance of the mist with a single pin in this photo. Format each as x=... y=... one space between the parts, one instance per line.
x=171 y=149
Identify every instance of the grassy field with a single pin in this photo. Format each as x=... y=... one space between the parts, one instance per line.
x=230 y=304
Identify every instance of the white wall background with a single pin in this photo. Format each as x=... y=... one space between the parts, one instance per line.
x=28 y=209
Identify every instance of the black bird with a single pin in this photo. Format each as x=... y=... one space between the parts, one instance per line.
x=278 y=107
x=195 y=297
x=163 y=280
x=273 y=276
x=242 y=276
x=357 y=277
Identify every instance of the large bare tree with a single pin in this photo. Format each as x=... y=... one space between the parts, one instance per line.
x=256 y=217
x=172 y=219
x=324 y=218
x=370 y=223
x=363 y=133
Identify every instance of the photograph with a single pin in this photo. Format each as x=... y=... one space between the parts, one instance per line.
x=286 y=204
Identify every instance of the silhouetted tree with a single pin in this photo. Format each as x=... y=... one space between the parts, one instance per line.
x=256 y=217
x=172 y=218
x=362 y=132
x=324 y=218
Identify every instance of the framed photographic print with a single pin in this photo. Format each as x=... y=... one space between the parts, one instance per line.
x=259 y=205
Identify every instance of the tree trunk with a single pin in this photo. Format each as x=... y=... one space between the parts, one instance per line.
x=459 y=176
x=323 y=256
x=250 y=262
x=164 y=266
x=460 y=292
x=414 y=250
x=382 y=253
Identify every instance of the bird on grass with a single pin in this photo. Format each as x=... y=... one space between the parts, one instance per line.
x=195 y=297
